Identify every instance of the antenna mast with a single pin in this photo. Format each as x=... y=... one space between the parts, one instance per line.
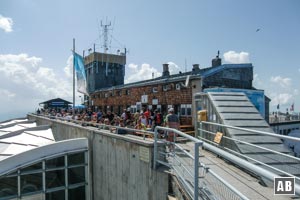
x=105 y=35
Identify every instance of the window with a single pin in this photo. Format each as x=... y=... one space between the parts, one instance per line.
x=133 y=108
x=55 y=163
x=31 y=183
x=158 y=107
x=76 y=175
x=56 y=171
x=76 y=159
x=186 y=109
x=55 y=178
x=8 y=187
x=178 y=86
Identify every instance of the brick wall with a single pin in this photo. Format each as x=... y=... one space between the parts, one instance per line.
x=130 y=96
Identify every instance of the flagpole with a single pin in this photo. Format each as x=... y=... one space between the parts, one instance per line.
x=73 y=79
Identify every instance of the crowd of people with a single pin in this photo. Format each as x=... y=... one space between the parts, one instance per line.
x=145 y=119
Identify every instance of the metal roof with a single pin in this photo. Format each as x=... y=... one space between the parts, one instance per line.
x=23 y=143
x=19 y=138
x=204 y=72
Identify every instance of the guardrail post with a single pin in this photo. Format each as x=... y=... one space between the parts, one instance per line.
x=196 y=170
x=155 y=148
x=201 y=126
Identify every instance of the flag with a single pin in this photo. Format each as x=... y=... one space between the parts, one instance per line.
x=278 y=107
x=292 y=107
x=80 y=74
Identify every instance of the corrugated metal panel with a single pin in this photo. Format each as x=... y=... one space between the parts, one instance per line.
x=235 y=109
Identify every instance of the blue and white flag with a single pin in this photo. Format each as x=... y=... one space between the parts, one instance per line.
x=80 y=74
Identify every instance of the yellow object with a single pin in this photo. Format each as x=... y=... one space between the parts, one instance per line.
x=218 y=137
x=202 y=115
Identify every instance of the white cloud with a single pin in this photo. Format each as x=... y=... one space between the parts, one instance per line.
x=283 y=82
x=282 y=98
x=136 y=73
x=69 y=68
x=257 y=82
x=5 y=94
x=235 y=57
x=25 y=80
x=173 y=68
x=6 y=23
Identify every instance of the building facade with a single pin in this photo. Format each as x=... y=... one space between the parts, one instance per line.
x=104 y=70
x=175 y=90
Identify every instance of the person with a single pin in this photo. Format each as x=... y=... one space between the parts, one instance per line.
x=110 y=116
x=140 y=126
x=99 y=116
x=123 y=116
x=172 y=121
x=157 y=118
x=89 y=114
x=136 y=117
x=147 y=114
x=143 y=119
x=106 y=125
x=121 y=124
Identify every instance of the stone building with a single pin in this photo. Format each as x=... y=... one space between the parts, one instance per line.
x=160 y=93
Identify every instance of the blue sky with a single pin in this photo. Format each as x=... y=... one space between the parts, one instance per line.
x=36 y=39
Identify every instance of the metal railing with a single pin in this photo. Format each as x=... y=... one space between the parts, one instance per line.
x=100 y=126
x=194 y=176
x=282 y=158
x=289 y=164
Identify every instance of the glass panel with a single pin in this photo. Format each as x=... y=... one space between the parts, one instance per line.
x=55 y=162
x=76 y=175
x=31 y=183
x=182 y=111
x=55 y=179
x=8 y=186
x=75 y=159
x=77 y=193
x=34 y=167
x=189 y=111
x=58 y=195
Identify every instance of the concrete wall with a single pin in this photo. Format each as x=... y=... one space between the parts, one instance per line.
x=120 y=166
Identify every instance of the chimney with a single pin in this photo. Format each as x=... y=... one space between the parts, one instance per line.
x=166 y=70
x=216 y=61
x=195 y=69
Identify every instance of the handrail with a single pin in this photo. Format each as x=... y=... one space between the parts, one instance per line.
x=254 y=131
x=245 y=164
x=253 y=145
x=197 y=142
x=111 y=128
x=196 y=164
